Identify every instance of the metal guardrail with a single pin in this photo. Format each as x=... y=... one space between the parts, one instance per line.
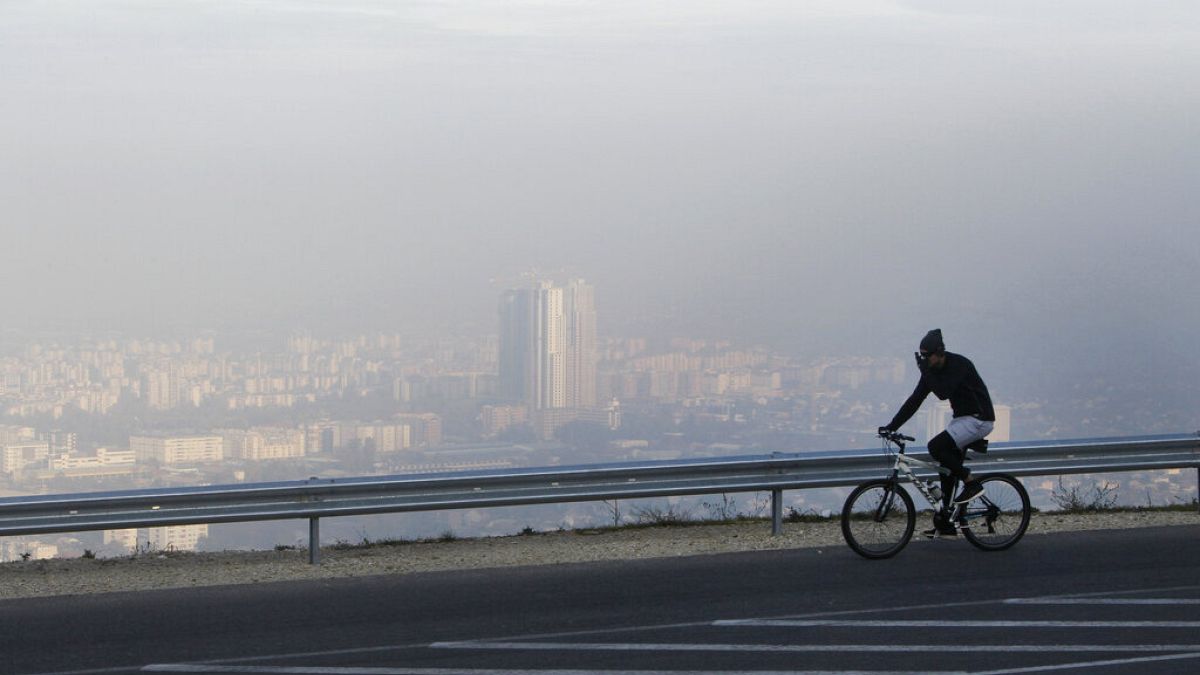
x=323 y=498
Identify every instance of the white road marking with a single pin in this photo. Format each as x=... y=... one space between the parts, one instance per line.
x=897 y=648
x=93 y=670
x=1080 y=598
x=308 y=655
x=952 y=623
x=1102 y=601
x=299 y=670
x=948 y=605
x=1088 y=664
x=1100 y=594
x=335 y=670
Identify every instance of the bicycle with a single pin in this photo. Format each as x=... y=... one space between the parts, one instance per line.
x=879 y=517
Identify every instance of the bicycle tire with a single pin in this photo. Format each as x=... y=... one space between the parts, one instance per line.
x=998 y=519
x=878 y=519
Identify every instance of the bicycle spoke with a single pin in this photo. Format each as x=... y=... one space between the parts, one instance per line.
x=878 y=518
x=999 y=518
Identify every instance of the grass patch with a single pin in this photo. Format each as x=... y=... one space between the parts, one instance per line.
x=810 y=516
x=1181 y=507
x=1102 y=497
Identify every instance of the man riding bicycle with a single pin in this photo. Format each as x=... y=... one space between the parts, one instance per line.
x=950 y=376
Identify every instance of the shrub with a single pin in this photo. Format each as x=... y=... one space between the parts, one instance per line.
x=723 y=510
x=1075 y=499
x=654 y=515
x=809 y=516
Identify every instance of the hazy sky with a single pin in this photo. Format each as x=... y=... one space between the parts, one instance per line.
x=1023 y=174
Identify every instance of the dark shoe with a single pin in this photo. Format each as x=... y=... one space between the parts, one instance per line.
x=941 y=528
x=940 y=532
x=972 y=490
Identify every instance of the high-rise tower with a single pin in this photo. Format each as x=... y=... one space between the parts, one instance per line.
x=516 y=345
x=579 y=309
x=550 y=332
x=548 y=345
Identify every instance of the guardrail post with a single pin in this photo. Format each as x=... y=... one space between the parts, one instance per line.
x=776 y=512
x=314 y=541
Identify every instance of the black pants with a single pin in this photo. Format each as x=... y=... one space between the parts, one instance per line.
x=943 y=448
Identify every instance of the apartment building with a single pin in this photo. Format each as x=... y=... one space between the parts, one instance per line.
x=263 y=443
x=104 y=457
x=169 y=538
x=16 y=457
x=426 y=428
x=170 y=450
x=174 y=537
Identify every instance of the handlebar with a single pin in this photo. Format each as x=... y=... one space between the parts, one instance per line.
x=896 y=436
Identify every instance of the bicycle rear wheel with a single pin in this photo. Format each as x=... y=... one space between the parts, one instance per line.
x=878 y=519
x=999 y=518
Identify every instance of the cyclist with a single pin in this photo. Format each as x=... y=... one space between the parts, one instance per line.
x=950 y=376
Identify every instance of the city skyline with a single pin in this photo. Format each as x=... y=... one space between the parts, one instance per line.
x=283 y=218
x=93 y=415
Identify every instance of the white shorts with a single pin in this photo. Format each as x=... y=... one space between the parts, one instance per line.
x=966 y=430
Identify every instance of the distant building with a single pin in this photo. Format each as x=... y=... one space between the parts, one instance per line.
x=497 y=418
x=386 y=437
x=517 y=351
x=325 y=436
x=121 y=539
x=15 y=434
x=104 y=457
x=16 y=457
x=547 y=350
x=546 y=422
x=169 y=450
x=580 y=313
x=548 y=345
x=61 y=441
x=13 y=548
x=263 y=443
x=173 y=537
x=160 y=389
x=426 y=428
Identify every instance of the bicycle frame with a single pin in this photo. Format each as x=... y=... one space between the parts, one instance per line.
x=904 y=467
x=960 y=515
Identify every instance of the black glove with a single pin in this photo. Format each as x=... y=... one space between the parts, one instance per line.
x=922 y=362
x=884 y=431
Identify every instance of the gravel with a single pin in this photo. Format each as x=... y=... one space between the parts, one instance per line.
x=39 y=578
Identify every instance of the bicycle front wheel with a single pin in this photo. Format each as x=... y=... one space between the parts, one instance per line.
x=999 y=518
x=878 y=519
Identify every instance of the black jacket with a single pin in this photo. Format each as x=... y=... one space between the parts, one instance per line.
x=956 y=380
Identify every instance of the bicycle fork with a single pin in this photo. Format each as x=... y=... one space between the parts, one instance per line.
x=884 y=509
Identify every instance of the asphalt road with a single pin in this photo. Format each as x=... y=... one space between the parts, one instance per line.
x=1094 y=602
